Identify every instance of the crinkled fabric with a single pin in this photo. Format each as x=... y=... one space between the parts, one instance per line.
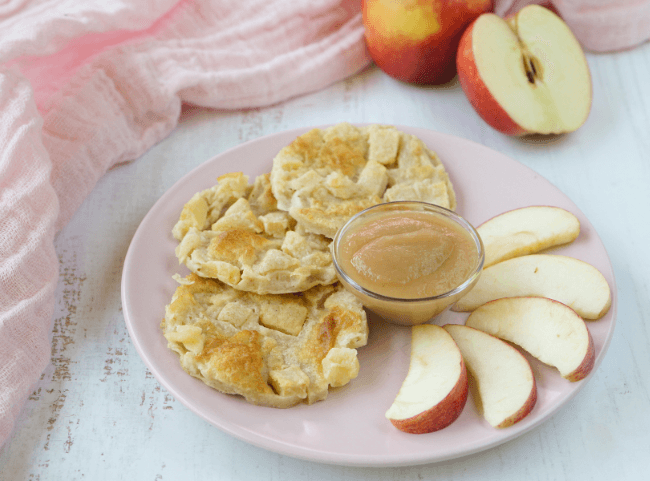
x=599 y=25
x=87 y=85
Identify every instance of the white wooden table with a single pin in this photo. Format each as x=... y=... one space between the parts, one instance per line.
x=97 y=413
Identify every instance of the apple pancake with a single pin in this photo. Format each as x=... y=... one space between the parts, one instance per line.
x=235 y=233
x=275 y=350
x=326 y=176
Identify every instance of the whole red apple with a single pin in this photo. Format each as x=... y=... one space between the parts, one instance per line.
x=416 y=40
x=525 y=74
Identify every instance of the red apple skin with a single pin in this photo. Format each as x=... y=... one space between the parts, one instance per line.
x=587 y=365
x=523 y=411
x=427 y=61
x=442 y=414
x=476 y=91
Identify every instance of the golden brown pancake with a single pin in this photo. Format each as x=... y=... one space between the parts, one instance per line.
x=274 y=350
x=326 y=176
x=235 y=233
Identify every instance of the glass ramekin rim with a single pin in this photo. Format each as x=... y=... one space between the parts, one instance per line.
x=427 y=205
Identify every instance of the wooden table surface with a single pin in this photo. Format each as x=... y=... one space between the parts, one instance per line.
x=97 y=412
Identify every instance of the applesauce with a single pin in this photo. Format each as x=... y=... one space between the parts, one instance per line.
x=408 y=261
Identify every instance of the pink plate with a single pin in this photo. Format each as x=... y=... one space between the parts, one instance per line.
x=349 y=427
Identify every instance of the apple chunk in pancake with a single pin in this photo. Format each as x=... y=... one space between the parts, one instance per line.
x=526 y=74
x=434 y=391
x=526 y=231
x=570 y=281
x=550 y=331
x=500 y=376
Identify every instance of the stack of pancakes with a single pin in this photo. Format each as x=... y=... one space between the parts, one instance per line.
x=262 y=315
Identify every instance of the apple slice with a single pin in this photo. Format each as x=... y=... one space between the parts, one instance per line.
x=501 y=378
x=525 y=74
x=526 y=231
x=571 y=281
x=550 y=331
x=434 y=391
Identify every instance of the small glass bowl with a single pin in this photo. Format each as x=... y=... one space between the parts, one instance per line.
x=412 y=311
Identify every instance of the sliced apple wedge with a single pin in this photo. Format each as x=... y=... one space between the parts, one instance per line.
x=526 y=231
x=550 y=331
x=502 y=381
x=526 y=73
x=434 y=391
x=573 y=282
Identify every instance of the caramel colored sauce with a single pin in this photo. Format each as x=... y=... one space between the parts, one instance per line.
x=408 y=255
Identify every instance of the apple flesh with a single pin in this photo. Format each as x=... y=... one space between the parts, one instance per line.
x=416 y=40
x=434 y=391
x=500 y=376
x=570 y=281
x=526 y=231
x=550 y=331
x=525 y=74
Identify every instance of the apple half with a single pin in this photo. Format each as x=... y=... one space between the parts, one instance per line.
x=526 y=231
x=434 y=391
x=525 y=74
x=550 y=331
x=570 y=281
x=502 y=381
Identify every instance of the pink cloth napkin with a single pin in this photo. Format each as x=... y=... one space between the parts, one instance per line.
x=87 y=85
x=599 y=25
